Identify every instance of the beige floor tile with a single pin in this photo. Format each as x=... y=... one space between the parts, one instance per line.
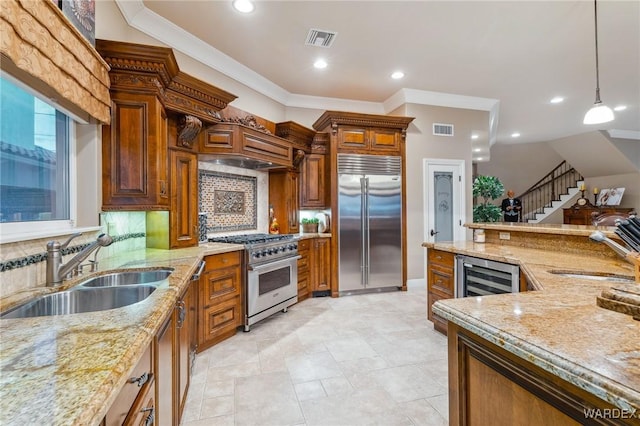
x=305 y=368
x=310 y=390
x=337 y=386
x=422 y=413
x=213 y=421
x=440 y=403
x=360 y=360
x=218 y=406
x=218 y=388
x=349 y=349
x=362 y=407
x=266 y=399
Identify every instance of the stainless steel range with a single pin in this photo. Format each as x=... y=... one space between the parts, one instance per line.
x=271 y=281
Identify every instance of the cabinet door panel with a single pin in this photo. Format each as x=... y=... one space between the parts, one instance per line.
x=384 y=140
x=313 y=182
x=164 y=373
x=134 y=160
x=184 y=199
x=321 y=262
x=352 y=138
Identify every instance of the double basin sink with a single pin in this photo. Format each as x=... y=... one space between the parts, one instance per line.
x=110 y=291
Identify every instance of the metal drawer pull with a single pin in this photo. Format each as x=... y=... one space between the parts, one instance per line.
x=182 y=314
x=140 y=380
x=150 y=419
x=196 y=276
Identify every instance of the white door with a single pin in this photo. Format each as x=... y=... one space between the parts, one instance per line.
x=444 y=201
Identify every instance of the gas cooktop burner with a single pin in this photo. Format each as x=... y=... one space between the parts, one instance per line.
x=251 y=238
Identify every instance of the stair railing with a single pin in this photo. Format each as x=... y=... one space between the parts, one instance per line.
x=548 y=189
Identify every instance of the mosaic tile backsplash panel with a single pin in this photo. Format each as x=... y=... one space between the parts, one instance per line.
x=229 y=201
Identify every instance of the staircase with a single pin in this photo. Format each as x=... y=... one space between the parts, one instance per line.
x=555 y=190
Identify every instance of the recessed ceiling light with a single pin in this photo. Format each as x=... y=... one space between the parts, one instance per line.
x=620 y=108
x=477 y=150
x=515 y=135
x=474 y=136
x=479 y=158
x=397 y=75
x=244 y=6
x=557 y=100
x=320 y=63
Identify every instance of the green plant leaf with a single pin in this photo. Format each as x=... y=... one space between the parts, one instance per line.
x=489 y=188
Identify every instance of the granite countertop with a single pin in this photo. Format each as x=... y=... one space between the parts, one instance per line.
x=544 y=228
x=559 y=327
x=68 y=369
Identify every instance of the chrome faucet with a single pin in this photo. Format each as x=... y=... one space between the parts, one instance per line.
x=56 y=271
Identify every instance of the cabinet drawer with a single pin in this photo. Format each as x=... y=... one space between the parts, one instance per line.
x=303 y=281
x=440 y=257
x=144 y=410
x=220 y=284
x=140 y=379
x=223 y=260
x=222 y=317
x=303 y=262
x=304 y=245
x=440 y=280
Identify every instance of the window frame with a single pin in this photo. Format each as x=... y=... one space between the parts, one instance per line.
x=20 y=231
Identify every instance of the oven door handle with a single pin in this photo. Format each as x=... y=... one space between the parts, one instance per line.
x=271 y=264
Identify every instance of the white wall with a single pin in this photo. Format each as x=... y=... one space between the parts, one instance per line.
x=421 y=144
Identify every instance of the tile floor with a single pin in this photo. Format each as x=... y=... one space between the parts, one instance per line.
x=357 y=360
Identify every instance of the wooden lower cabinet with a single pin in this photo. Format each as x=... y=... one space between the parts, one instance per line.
x=136 y=398
x=440 y=284
x=304 y=281
x=314 y=272
x=320 y=264
x=220 y=304
x=491 y=386
x=185 y=340
x=164 y=373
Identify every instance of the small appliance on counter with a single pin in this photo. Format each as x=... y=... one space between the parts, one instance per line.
x=324 y=223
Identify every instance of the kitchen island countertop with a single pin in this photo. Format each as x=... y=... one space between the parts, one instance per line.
x=559 y=327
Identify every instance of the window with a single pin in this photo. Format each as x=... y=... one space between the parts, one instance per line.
x=34 y=158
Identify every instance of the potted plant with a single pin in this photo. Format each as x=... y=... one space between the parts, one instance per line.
x=310 y=226
x=489 y=188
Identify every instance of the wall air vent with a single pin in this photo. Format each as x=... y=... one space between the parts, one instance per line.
x=320 y=38
x=440 y=129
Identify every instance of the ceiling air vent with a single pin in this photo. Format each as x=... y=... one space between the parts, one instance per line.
x=440 y=129
x=320 y=38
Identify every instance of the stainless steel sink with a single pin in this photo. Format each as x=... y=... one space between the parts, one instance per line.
x=128 y=278
x=599 y=276
x=81 y=300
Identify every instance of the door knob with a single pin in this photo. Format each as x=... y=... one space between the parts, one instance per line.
x=432 y=233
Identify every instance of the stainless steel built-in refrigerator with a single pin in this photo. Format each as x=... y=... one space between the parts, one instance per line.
x=369 y=223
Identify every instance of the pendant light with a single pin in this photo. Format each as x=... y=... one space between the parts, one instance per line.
x=599 y=112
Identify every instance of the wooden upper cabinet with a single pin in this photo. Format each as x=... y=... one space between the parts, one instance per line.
x=183 y=231
x=358 y=139
x=365 y=133
x=313 y=175
x=232 y=139
x=284 y=198
x=352 y=138
x=134 y=154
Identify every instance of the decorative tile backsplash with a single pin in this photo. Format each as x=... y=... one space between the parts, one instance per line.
x=229 y=201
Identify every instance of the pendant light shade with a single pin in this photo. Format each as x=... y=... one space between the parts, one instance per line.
x=599 y=112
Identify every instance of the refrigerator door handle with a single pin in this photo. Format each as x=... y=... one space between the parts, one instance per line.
x=366 y=236
x=363 y=247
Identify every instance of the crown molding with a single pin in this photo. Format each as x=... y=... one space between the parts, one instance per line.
x=154 y=25
x=624 y=134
